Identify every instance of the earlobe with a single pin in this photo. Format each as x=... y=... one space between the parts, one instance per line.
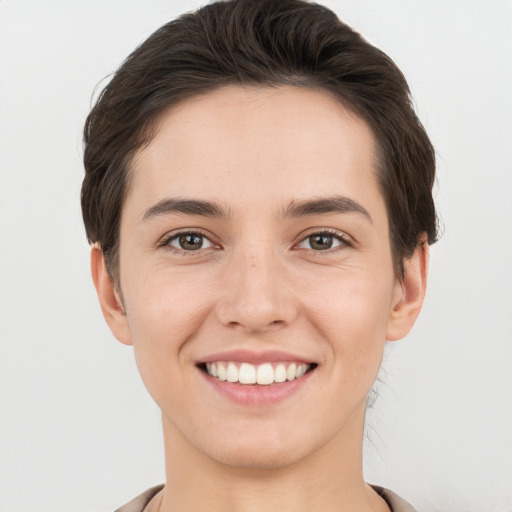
x=410 y=294
x=110 y=301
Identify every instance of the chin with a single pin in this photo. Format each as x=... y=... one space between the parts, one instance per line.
x=261 y=450
x=256 y=458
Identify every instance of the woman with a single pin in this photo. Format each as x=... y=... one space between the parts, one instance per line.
x=258 y=196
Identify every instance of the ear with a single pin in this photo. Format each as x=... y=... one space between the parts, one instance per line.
x=409 y=294
x=110 y=300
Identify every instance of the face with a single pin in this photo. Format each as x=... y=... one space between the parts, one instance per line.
x=254 y=247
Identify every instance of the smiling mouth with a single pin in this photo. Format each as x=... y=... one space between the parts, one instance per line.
x=261 y=374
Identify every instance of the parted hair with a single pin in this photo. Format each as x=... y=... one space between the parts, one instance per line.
x=258 y=43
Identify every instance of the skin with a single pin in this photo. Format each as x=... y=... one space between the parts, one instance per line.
x=257 y=283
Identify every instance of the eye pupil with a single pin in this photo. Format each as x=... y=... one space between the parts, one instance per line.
x=321 y=242
x=191 y=241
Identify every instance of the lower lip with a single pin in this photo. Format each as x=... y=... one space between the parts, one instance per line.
x=254 y=394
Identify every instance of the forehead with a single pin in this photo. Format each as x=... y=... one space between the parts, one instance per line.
x=261 y=144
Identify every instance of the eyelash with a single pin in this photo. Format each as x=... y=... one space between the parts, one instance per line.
x=166 y=241
x=338 y=236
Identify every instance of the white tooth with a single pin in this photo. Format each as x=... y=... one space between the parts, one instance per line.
x=300 y=371
x=265 y=374
x=232 y=373
x=290 y=372
x=221 y=370
x=214 y=369
x=208 y=368
x=247 y=374
x=280 y=373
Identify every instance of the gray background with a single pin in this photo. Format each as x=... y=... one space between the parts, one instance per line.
x=77 y=428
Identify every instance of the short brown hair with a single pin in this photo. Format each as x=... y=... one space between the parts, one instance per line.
x=270 y=43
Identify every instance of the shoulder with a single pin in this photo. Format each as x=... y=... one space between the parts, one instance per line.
x=139 y=503
x=395 y=503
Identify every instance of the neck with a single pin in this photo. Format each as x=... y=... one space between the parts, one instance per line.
x=330 y=479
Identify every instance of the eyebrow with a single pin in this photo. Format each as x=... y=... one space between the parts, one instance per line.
x=187 y=207
x=333 y=204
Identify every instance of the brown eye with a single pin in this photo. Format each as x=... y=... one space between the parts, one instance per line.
x=321 y=242
x=189 y=242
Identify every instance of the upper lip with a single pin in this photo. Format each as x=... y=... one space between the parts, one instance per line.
x=253 y=357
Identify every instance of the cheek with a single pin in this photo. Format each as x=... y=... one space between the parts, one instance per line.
x=352 y=300
x=162 y=307
x=163 y=314
x=352 y=313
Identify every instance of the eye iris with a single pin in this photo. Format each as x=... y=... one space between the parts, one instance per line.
x=191 y=242
x=321 y=242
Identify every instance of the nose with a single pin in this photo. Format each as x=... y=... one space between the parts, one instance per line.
x=257 y=295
